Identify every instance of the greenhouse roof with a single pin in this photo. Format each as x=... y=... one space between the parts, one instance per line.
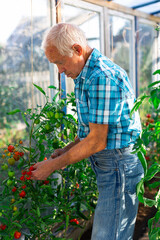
x=148 y=6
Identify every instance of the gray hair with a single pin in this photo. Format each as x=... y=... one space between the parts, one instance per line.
x=63 y=36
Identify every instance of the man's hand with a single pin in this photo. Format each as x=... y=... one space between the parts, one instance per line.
x=42 y=170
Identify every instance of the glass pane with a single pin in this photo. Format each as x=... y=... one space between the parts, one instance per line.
x=121 y=43
x=85 y=19
x=17 y=54
x=146 y=60
x=146 y=55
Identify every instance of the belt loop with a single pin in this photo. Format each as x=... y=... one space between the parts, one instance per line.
x=119 y=152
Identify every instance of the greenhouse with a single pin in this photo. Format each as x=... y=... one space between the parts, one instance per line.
x=59 y=118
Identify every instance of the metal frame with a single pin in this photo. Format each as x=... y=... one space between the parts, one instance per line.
x=154 y=13
x=141 y=6
x=145 y=4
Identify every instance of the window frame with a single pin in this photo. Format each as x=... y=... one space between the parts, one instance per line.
x=92 y=7
x=132 y=57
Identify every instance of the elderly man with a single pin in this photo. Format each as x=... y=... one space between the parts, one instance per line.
x=106 y=133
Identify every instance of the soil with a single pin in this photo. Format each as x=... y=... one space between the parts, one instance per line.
x=141 y=226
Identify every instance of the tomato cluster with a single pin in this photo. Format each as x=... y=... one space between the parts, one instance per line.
x=149 y=120
x=74 y=221
x=14 y=153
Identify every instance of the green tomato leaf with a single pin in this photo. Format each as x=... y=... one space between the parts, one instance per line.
x=140 y=198
x=140 y=187
x=51 y=86
x=155 y=97
x=40 y=89
x=29 y=149
x=55 y=96
x=153 y=84
x=151 y=172
x=17 y=224
x=154 y=185
x=143 y=161
x=150 y=223
x=149 y=202
x=156 y=72
x=138 y=103
x=14 y=111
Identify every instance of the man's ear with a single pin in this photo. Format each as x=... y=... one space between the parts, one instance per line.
x=77 y=49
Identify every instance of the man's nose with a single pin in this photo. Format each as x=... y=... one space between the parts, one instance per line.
x=61 y=69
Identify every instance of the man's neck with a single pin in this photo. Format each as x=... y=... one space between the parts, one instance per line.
x=87 y=53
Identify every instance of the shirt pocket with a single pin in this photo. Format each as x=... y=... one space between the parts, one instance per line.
x=83 y=112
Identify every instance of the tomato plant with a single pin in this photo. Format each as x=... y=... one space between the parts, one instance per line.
x=44 y=209
x=148 y=150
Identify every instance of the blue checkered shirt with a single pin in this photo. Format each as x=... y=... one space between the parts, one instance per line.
x=104 y=95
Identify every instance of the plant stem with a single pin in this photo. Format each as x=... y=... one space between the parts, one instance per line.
x=30 y=141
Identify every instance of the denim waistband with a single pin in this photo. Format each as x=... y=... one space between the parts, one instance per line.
x=118 y=150
x=130 y=147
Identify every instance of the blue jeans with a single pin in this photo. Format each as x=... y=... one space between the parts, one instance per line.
x=117 y=172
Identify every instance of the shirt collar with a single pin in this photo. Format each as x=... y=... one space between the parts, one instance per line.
x=95 y=54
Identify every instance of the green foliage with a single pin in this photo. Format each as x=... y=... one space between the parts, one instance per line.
x=9 y=98
x=147 y=148
x=43 y=209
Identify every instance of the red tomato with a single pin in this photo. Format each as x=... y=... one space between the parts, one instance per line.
x=28 y=178
x=21 y=154
x=3 y=226
x=31 y=168
x=16 y=153
x=148 y=115
x=24 y=172
x=10 y=148
x=22 y=194
x=147 y=157
x=77 y=185
x=22 y=178
x=29 y=173
x=17 y=235
x=16 y=157
x=24 y=186
x=75 y=221
x=14 y=189
x=45 y=182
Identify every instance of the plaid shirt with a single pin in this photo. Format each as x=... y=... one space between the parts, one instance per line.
x=104 y=95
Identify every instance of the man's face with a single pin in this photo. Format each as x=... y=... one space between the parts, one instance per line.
x=71 y=66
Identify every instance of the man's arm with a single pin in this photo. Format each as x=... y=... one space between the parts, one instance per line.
x=61 y=151
x=94 y=142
